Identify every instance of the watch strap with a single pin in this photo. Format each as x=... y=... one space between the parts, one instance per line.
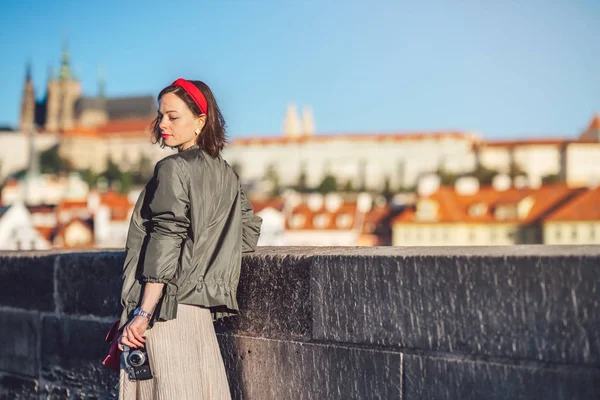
x=140 y=312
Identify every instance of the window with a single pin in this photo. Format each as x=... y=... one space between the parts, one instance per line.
x=471 y=235
x=427 y=210
x=532 y=235
x=343 y=221
x=321 y=220
x=477 y=210
x=574 y=232
x=592 y=232
x=557 y=233
x=298 y=221
x=493 y=234
x=505 y=212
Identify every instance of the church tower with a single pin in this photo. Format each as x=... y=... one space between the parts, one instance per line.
x=592 y=133
x=63 y=92
x=291 y=122
x=308 y=121
x=27 y=117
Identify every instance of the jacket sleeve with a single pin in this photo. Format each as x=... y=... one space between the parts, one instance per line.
x=168 y=223
x=251 y=224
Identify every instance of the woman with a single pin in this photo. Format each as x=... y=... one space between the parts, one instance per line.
x=183 y=253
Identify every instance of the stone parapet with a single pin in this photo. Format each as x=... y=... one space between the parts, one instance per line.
x=333 y=323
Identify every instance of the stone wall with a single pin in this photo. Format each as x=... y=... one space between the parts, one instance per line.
x=333 y=323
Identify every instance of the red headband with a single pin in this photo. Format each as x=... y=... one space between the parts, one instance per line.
x=194 y=93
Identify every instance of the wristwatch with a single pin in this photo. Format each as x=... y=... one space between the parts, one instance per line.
x=139 y=311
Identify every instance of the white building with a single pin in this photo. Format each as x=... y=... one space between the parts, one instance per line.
x=17 y=231
x=15 y=148
x=576 y=222
x=365 y=160
x=45 y=189
x=317 y=220
x=368 y=161
x=573 y=161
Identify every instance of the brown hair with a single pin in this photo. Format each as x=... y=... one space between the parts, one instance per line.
x=212 y=137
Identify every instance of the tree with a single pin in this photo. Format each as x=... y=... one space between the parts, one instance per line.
x=348 y=187
x=484 y=175
x=113 y=172
x=52 y=163
x=302 y=178
x=446 y=177
x=515 y=170
x=328 y=184
x=552 y=178
x=143 y=171
x=125 y=182
x=387 y=188
x=272 y=177
x=89 y=177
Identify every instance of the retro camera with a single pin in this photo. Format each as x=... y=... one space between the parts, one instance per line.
x=136 y=363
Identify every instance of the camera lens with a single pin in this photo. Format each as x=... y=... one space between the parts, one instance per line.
x=136 y=358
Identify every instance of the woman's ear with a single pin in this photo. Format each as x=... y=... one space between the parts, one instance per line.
x=201 y=121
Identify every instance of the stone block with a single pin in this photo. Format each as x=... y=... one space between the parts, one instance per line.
x=272 y=369
x=72 y=354
x=274 y=298
x=20 y=333
x=27 y=281
x=52 y=392
x=453 y=378
x=16 y=387
x=533 y=307
x=90 y=283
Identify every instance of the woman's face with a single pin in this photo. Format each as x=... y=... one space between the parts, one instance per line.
x=178 y=125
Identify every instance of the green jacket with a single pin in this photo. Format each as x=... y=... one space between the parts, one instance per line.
x=189 y=228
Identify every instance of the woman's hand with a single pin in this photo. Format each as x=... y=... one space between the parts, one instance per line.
x=133 y=333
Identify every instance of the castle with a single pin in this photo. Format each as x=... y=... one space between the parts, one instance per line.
x=92 y=130
x=64 y=108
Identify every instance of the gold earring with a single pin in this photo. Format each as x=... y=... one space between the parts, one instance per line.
x=197 y=131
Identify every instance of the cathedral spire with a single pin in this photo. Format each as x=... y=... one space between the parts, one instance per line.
x=101 y=83
x=27 y=115
x=50 y=73
x=65 y=68
x=28 y=72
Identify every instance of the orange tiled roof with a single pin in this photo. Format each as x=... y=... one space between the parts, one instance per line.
x=114 y=199
x=347 y=209
x=585 y=207
x=309 y=216
x=86 y=224
x=259 y=205
x=126 y=125
x=47 y=232
x=129 y=127
x=63 y=227
x=12 y=183
x=70 y=204
x=527 y=142
x=41 y=209
x=594 y=123
x=353 y=137
x=454 y=208
x=118 y=203
x=374 y=217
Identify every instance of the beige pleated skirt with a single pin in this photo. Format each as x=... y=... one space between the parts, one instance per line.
x=185 y=360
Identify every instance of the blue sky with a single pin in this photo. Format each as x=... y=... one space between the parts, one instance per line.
x=503 y=68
